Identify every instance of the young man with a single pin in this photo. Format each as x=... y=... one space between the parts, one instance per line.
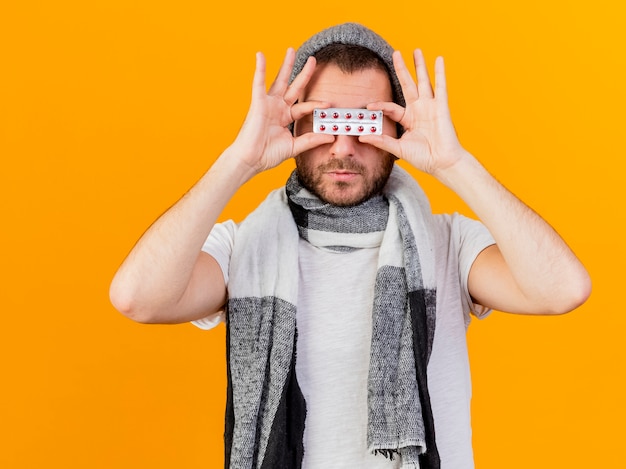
x=348 y=266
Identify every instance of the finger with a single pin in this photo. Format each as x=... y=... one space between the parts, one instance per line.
x=441 y=87
x=392 y=110
x=282 y=79
x=409 y=89
x=258 y=82
x=309 y=141
x=300 y=110
x=383 y=142
x=295 y=90
x=424 y=88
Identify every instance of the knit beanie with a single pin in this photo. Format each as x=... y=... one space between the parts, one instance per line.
x=351 y=34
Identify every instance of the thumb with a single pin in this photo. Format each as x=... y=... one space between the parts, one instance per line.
x=383 y=142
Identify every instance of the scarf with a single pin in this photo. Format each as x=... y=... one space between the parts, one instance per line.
x=265 y=411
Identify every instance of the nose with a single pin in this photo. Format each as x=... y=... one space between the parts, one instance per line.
x=344 y=145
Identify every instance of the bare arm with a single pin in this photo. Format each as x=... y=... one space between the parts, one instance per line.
x=166 y=278
x=530 y=269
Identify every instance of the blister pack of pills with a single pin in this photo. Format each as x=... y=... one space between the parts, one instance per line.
x=345 y=121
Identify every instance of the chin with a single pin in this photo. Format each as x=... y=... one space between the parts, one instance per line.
x=343 y=197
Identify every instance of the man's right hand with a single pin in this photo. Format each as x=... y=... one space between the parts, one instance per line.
x=166 y=278
x=265 y=140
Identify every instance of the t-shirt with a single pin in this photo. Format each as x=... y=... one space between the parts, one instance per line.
x=334 y=335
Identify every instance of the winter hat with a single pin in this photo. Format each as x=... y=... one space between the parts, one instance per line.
x=352 y=34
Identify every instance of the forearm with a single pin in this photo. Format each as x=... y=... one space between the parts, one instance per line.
x=166 y=278
x=545 y=270
x=153 y=280
x=531 y=269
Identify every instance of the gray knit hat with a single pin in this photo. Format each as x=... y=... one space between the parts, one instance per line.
x=352 y=34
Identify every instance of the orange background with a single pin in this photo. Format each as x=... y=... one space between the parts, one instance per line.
x=110 y=110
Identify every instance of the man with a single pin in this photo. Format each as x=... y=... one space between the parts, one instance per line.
x=348 y=267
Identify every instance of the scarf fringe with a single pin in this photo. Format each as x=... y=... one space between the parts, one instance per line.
x=387 y=453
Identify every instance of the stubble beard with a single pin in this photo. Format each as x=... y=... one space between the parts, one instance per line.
x=341 y=193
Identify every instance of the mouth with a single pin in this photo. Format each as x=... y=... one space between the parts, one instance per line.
x=342 y=175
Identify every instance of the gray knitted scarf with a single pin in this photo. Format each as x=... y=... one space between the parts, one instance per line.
x=266 y=411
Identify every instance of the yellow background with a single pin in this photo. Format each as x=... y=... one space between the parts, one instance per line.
x=110 y=110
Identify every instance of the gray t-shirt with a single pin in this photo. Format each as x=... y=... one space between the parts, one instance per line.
x=334 y=337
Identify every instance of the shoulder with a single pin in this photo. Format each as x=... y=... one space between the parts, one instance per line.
x=459 y=241
x=221 y=237
x=219 y=244
x=461 y=232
